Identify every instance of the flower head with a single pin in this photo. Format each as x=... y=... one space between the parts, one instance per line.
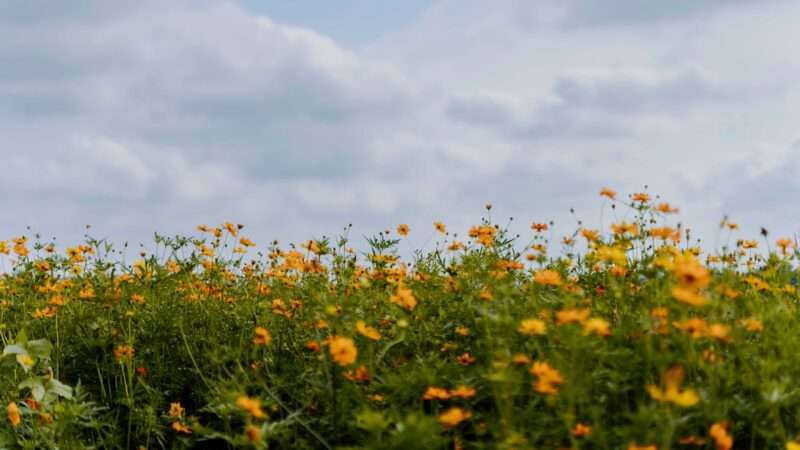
x=453 y=416
x=262 y=336
x=343 y=350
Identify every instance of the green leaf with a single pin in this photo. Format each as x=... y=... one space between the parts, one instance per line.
x=36 y=387
x=56 y=387
x=14 y=349
x=40 y=348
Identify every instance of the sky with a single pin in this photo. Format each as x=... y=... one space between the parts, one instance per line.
x=297 y=118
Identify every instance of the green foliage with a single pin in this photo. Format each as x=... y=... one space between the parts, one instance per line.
x=631 y=340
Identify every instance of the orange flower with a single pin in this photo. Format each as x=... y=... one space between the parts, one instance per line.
x=581 y=430
x=343 y=350
x=251 y=406
x=404 y=297
x=719 y=433
x=666 y=208
x=607 y=192
x=403 y=229
x=641 y=197
x=548 y=378
x=253 y=433
x=463 y=392
x=124 y=352
x=695 y=326
x=625 y=227
x=597 y=326
x=752 y=325
x=262 y=336
x=232 y=229
x=689 y=296
x=436 y=393
x=367 y=331
x=440 y=227
x=13 y=414
x=465 y=359
x=453 y=416
x=572 y=315
x=663 y=233
x=690 y=273
x=532 y=327
x=671 y=392
x=547 y=277
x=176 y=410
x=539 y=227
x=590 y=235
x=360 y=374
x=181 y=428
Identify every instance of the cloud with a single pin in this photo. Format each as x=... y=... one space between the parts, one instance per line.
x=160 y=116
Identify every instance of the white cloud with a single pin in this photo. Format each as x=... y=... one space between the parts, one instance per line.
x=193 y=112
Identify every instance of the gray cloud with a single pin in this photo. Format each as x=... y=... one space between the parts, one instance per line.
x=161 y=116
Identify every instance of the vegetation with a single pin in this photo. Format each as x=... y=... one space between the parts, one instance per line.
x=627 y=339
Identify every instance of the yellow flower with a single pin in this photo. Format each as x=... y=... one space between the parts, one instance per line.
x=663 y=233
x=666 y=208
x=625 y=227
x=689 y=296
x=367 y=331
x=436 y=393
x=597 y=326
x=176 y=410
x=454 y=416
x=41 y=313
x=232 y=229
x=793 y=445
x=124 y=352
x=548 y=378
x=86 y=293
x=463 y=392
x=642 y=447
x=181 y=428
x=572 y=315
x=13 y=414
x=343 y=350
x=262 y=336
x=690 y=273
x=590 y=235
x=719 y=433
x=404 y=297
x=753 y=325
x=403 y=229
x=671 y=393
x=607 y=192
x=695 y=326
x=251 y=406
x=547 y=278
x=532 y=327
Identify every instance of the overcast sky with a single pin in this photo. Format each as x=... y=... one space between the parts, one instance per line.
x=298 y=117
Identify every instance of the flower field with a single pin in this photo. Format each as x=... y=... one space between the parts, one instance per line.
x=625 y=337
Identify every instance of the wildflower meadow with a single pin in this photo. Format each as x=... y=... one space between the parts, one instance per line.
x=626 y=337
